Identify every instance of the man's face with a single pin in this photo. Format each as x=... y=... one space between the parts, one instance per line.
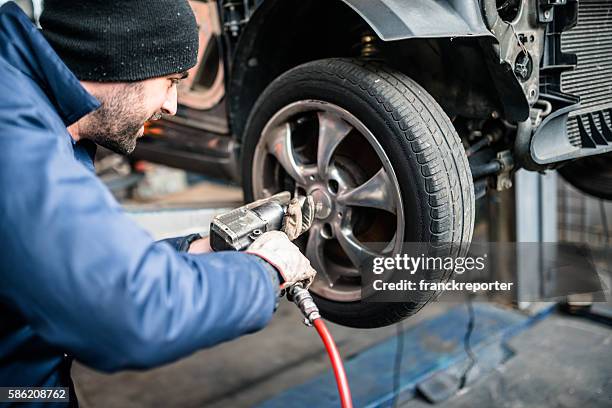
x=125 y=108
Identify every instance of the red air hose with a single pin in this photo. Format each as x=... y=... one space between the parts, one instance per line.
x=302 y=298
x=336 y=361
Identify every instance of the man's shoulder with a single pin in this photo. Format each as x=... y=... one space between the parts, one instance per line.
x=21 y=95
x=15 y=85
x=28 y=120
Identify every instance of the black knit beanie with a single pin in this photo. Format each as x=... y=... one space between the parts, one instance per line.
x=123 y=40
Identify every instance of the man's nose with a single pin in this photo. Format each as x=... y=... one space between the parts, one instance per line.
x=169 y=107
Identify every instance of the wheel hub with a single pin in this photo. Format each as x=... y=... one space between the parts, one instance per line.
x=324 y=203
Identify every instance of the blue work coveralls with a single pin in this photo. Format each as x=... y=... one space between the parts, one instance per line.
x=78 y=278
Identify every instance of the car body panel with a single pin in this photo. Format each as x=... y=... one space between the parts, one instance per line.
x=396 y=20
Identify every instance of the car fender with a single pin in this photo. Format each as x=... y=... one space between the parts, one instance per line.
x=396 y=20
x=256 y=61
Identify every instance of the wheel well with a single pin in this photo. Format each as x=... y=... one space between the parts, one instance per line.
x=285 y=33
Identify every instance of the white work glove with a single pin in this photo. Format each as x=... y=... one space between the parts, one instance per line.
x=275 y=248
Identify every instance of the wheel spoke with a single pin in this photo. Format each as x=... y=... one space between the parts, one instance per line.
x=375 y=193
x=358 y=253
x=280 y=146
x=332 y=130
x=314 y=252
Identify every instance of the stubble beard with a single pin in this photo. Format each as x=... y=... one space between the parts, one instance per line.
x=116 y=124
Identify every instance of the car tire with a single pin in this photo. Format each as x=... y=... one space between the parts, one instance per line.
x=591 y=175
x=426 y=160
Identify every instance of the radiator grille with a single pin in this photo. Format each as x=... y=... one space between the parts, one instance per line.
x=591 y=41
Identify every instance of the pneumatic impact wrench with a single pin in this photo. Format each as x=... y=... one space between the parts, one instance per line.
x=237 y=229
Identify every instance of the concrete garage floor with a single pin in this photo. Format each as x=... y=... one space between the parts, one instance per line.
x=240 y=373
x=561 y=361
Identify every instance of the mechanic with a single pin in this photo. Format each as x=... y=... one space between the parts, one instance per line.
x=79 y=278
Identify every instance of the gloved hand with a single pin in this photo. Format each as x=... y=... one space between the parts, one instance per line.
x=275 y=248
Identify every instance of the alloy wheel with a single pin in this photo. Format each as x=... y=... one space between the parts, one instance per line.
x=318 y=148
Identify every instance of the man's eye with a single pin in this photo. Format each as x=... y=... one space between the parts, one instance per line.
x=175 y=81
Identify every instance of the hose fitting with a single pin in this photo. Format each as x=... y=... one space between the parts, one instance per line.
x=303 y=300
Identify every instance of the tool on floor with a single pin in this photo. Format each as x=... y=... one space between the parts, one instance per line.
x=238 y=228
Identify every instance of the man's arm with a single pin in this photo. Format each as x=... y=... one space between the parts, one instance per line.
x=91 y=281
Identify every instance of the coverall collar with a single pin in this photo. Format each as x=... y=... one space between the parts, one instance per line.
x=25 y=48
